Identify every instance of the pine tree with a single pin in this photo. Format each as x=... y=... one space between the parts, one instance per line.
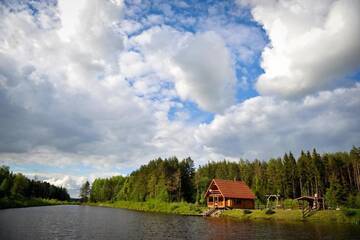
x=85 y=191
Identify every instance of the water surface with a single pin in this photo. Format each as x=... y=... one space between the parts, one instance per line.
x=84 y=222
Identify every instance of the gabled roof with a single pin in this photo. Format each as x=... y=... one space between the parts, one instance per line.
x=308 y=198
x=232 y=189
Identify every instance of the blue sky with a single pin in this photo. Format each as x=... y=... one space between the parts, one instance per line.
x=99 y=88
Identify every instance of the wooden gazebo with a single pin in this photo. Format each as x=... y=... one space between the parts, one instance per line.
x=314 y=202
x=229 y=194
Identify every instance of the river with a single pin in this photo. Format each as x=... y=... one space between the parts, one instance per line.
x=84 y=222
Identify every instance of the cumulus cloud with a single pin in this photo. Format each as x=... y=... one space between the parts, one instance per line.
x=66 y=93
x=245 y=42
x=85 y=91
x=199 y=64
x=265 y=126
x=205 y=72
x=314 y=45
x=90 y=25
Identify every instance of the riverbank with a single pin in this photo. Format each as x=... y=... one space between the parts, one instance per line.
x=181 y=208
x=325 y=216
x=32 y=202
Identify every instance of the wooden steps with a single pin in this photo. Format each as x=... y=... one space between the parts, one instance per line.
x=212 y=212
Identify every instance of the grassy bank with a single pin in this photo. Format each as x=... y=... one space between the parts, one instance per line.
x=32 y=202
x=181 y=208
x=326 y=216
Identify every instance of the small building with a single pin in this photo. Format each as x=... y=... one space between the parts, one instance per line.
x=229 y=194
x=313 y=202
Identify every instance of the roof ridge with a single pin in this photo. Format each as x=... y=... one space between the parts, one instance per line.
x=231 y=188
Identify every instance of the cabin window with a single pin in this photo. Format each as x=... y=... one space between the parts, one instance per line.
x=237 y=201
x=211 y=199
x=220 y=199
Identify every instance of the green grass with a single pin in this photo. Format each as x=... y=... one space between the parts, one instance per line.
x=181 y=208
x=19 y=203
x=324 y=216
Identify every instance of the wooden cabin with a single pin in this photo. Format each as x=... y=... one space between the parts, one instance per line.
x=229 y=194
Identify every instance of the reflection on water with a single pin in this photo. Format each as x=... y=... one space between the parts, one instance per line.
x=83 y=222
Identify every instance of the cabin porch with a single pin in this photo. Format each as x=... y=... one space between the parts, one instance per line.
x=218 y=201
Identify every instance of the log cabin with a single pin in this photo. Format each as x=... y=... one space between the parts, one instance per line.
x=229 y=194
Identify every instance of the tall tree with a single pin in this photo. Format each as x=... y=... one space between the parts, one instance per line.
x=85 y=191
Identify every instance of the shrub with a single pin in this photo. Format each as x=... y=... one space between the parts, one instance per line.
x=247 y=211
x=353 y=201
x=349 y=212
x=290 y=203
x=269 y=211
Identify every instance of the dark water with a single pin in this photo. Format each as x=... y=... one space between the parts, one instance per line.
x=82 y=222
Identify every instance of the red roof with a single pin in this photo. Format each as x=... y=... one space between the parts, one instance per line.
x=233 y=189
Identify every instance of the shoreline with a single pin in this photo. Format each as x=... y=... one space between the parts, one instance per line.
x=178 y=208
x=32 y=202
x=346 y=216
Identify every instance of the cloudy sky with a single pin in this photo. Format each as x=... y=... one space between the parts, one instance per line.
x=93 y=88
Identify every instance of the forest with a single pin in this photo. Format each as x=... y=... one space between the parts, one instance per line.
x=17 y=187
x=336 y=176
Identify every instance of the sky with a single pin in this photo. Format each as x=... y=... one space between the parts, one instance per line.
x=95 y=88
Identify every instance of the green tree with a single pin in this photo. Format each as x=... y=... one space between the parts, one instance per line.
x=85 y=191
x=335 y=194
x=187 y=172
x=4 y=187
x=20 y=185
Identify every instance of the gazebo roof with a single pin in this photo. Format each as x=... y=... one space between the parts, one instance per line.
x=308 y=198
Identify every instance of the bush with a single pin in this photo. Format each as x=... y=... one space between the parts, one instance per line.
x=290 y=203
x=269 y=211
x=259 y=204
x=353 y=201
x=247 y=211
x=349 y=212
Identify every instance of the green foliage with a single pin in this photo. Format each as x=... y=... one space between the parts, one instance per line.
x=349 y=212
x=165 y=180
x=106 y=189
x=353 y=201
x=20 y=185
x=290 y=204
x=326 y=216
x=335 y=194
x=247 y=211
x=18 y=190
x=6 y=202
x=153 y=205
x=85 y=191
x=269 y=211
x=333 y=175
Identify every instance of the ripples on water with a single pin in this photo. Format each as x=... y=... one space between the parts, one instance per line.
x=83 y=222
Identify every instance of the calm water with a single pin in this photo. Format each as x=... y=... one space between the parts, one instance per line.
x=82 y=222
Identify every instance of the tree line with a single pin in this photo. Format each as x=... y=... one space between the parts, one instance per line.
x=17 y=186
x=336 y=176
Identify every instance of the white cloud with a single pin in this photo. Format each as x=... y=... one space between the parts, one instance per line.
x=314 y=44
x=199 y=64
x=264 y=127
x=90 y=25
x=68 y=96
x=244 y=41
x=204 y=72
x=86 y=95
